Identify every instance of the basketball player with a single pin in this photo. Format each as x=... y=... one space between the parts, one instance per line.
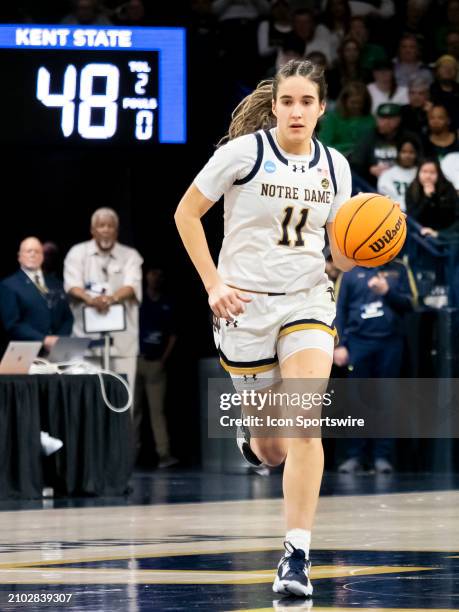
x=274 y=310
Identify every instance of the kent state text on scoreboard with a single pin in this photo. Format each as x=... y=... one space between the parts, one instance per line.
x=106 y=85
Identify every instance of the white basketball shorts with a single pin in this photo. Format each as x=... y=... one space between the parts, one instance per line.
x=272 y=328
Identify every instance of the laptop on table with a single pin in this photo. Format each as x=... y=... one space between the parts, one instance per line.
x=18 y=357
x=69 y=349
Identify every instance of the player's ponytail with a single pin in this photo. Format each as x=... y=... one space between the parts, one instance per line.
x=255 y=111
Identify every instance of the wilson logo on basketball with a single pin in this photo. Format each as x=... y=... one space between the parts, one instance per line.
x=387 y=237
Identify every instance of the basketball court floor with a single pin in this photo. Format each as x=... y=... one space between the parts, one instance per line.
x=186 y=540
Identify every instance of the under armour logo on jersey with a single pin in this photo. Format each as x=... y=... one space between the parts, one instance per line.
x=233 y=323
x=299 y=168
x=332 y=293
x=253 y=377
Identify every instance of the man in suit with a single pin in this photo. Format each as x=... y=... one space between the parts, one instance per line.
x=33 y=305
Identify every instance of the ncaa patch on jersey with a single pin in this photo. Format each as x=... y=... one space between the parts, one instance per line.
x=270 y=166
x=325 y=183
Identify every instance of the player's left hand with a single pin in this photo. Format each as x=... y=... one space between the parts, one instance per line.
x=379 y=284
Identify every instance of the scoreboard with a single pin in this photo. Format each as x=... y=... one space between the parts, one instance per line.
x=84 y=85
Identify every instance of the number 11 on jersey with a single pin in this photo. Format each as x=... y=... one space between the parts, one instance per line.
x=288 y=214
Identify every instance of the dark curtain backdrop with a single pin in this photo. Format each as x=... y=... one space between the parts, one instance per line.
x=96 y=458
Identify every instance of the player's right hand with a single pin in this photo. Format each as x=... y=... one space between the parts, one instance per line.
x=227 y=302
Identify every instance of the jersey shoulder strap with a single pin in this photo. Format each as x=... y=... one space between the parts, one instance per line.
x=331 y=167
x=257 y=164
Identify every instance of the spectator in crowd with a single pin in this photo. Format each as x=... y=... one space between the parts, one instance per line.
x=347 y=68
x=383 y=9
x=445 y=25
x=292 y=48
x=371 y=52
x=337 y=18
x=384 y=87
x=407 y=64
x=371 y=304
x=157 y=340
x=33 y=305
x=414 y=114
x=441 y=139
x=342 y=128
x=433 y=202
x=312 y=36
x=203 y=37
x=318 y=58
x=415 y=18
x=378 y=149
x=273 y=31
x=444 y=90
x=86 y=12
x=251 y=9
x=131 y=13
x=450 y=168
x=102 y=272
x=452 y=44
x=396 y=180
x=237 y=25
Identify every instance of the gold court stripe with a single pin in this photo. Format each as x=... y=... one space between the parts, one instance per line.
x=74 y=575
x=155 y=555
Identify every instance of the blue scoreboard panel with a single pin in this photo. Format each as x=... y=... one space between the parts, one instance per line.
x=85 y=85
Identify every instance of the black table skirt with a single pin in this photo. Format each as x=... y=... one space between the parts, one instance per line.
x=96 y=458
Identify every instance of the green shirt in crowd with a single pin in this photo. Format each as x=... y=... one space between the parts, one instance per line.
x=343 y=133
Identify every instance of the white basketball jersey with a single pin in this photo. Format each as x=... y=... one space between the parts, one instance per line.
x=275 y=209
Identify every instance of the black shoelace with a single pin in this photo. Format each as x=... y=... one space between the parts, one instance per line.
x=297 y=559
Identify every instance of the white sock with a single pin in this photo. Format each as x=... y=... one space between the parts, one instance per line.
x=299 y=538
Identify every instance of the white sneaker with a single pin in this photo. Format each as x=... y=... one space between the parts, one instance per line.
x=293 y=573
x=261 y=470
x=49 y=445
x=350 y=466
x=382 y=466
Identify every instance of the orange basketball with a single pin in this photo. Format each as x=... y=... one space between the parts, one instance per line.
x=370 y=229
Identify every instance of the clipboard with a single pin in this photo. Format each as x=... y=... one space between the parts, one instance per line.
x=95 y=322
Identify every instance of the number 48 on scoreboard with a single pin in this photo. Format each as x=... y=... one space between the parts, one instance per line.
x=118 y=86
x=79 y=109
